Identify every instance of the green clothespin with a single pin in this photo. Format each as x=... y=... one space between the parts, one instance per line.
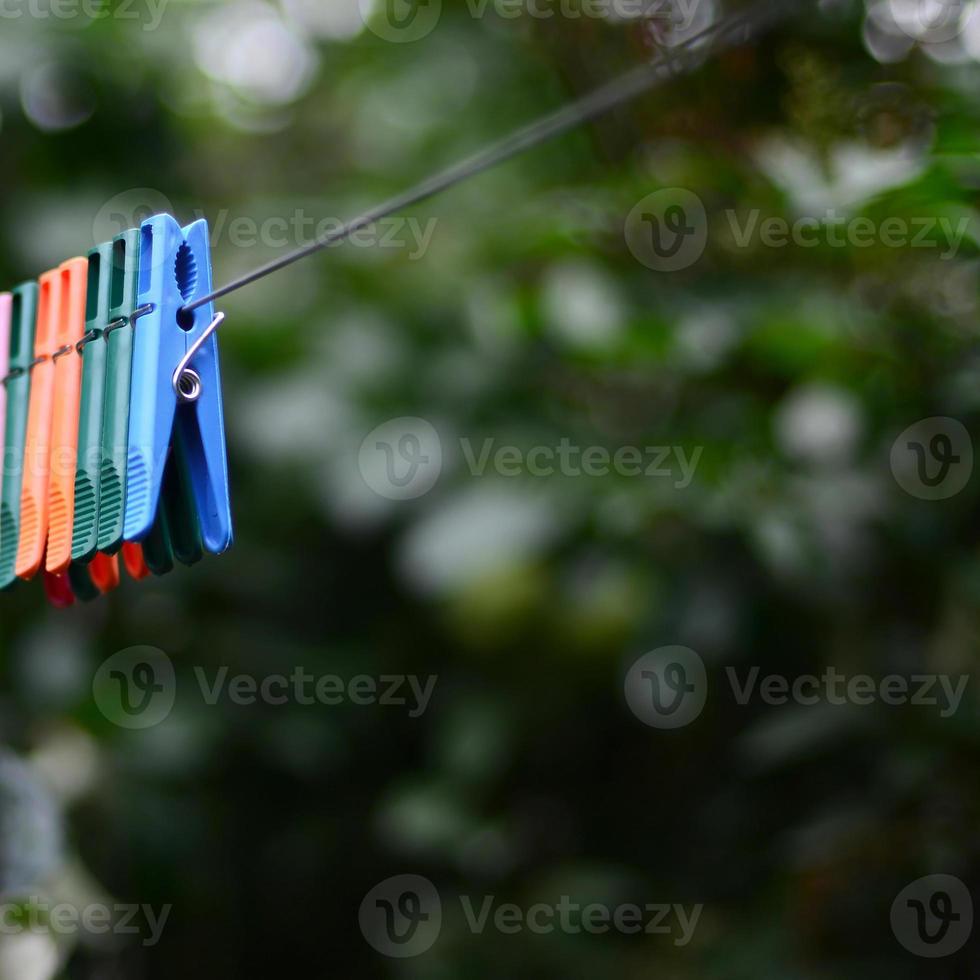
x=18 y=382
x=125 y=266
x=93 y=350
x=176 y=535
x=180 y=507
x=157 y=550
x=81 y=583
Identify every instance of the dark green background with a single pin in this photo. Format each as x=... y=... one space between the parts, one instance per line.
x=529 y=321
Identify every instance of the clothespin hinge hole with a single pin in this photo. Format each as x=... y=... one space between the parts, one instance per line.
x=185 y=318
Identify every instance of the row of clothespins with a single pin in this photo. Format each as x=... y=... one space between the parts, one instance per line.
x=111 y=416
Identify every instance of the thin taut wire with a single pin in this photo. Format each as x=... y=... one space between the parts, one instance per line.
x=670 y=62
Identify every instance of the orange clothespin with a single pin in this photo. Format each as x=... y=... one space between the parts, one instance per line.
x=134 y=561
x=64 y=422
x=104 y=570
x=37 y=444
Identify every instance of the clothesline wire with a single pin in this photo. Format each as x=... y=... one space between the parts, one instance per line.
x=670 y=62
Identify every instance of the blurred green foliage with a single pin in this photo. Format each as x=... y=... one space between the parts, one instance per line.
x=526 y=320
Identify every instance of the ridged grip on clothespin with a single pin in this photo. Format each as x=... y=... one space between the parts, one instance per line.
x=64 y=420
x=17 y=388
x=119 y=369
x=37 y=443
x=85 y=530
x=6 y=310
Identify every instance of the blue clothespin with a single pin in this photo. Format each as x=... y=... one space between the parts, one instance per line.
x=176 y=388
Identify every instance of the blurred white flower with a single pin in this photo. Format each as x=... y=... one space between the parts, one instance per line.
x=856 y=172
x=54 y=98
x=704 y=336
x=819 y=424
x=335 y=20
x=479 y=532
x=582 y=305
x=28 y=956
x=295 y=417
x=68 y=759
x=249 y=47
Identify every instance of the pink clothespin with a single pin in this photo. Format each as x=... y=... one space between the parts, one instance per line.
x=6 y=305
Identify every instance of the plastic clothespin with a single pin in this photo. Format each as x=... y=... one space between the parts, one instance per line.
x=175 y=535
x=179 y=508
x=175 y=266
x=37 y=442
x=64 y=419
x=6 y=310
x=17 y=385
x=104 y=571
x=119 y=369
x=58 y=590
x=89 y=581
x=82 y=586
x=134 y=561
x=92 y=349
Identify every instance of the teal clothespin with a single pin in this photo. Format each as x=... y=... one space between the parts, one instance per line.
x=93 y=351
x=18 y=384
